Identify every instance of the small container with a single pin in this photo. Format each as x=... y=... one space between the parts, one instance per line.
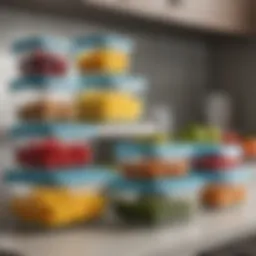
x=153 y=160
x=217 y=158
x=52 y=154
x=42 y=56
x=57 y=207
x=223 y=195
x=103 y=53
x=249 y=147
x=153 y=202
x=109 y=106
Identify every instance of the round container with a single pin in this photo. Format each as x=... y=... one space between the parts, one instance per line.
x=103 y=53
x=147 y=202
x=42 y=56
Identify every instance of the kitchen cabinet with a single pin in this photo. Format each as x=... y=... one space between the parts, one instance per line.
x=231 y=16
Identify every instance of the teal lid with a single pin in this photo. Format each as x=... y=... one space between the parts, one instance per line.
x=41 y=43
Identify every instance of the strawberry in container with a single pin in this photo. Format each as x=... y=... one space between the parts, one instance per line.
x=42 y=55
x=54 y=154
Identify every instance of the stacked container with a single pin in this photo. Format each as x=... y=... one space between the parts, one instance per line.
x=156 y=186
x=221 y=166
x=55 y=182
x=109 y=93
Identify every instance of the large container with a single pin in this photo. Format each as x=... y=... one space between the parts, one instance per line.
x=109 y=106
x=42 y=56
x=57 y=207
x=103 y=53
x=155 y=202
x=153 y=160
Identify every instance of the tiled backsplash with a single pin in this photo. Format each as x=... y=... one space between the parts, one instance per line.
x=176 y=67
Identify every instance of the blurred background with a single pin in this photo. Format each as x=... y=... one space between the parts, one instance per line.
x=198 y=57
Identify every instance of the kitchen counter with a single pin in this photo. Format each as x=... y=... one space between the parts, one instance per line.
x=209 y=229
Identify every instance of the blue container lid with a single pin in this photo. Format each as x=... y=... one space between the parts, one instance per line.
x=47 y=83
x=57 y=130
x=70 y=177
x=103 y=41
x=122 y=82
x=159 y=186
x=235 y=176
x=217 y=149
x=41 y=43
x=166 y=150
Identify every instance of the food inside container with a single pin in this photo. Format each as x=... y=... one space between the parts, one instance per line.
x=249 y=147
x=223 y=195
x=103 y=53
x=56 y=207
x=47 y=110
x=109 y=106
x=42 y=56
x=52 y=153
x=217 y=158
x=146 y=202
x=154 y=168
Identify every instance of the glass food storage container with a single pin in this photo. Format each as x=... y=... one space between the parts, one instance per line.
x=44 y=99
x=39 y=56
x=217 y=158
x=53 y=154
x=109 y=106
x=103 y=53
x=153 y=160
x=226 y=188
x=54 y=207
x=158 y=202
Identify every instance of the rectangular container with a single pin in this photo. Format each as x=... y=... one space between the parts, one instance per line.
x=53 y=154
x=103 y=53
x=57 y=207
x=217 y=157
x=109 y=106
x=158 y=202
x=42 y=56
x=223 y=195
x=153 y=160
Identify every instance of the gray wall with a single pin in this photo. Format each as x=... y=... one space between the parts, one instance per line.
x=235 y=72
x=176 y=66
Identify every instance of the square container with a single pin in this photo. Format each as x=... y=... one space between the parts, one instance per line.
x=217 y=157
x=153 y=160
x=109 y=106
x=103 y=53
x=42 y=56
x=155 y=202
x=53 y=154
x=57 y=207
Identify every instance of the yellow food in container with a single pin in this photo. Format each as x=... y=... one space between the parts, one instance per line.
x=58 y=207
x=103 y=53
x=109 y=106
